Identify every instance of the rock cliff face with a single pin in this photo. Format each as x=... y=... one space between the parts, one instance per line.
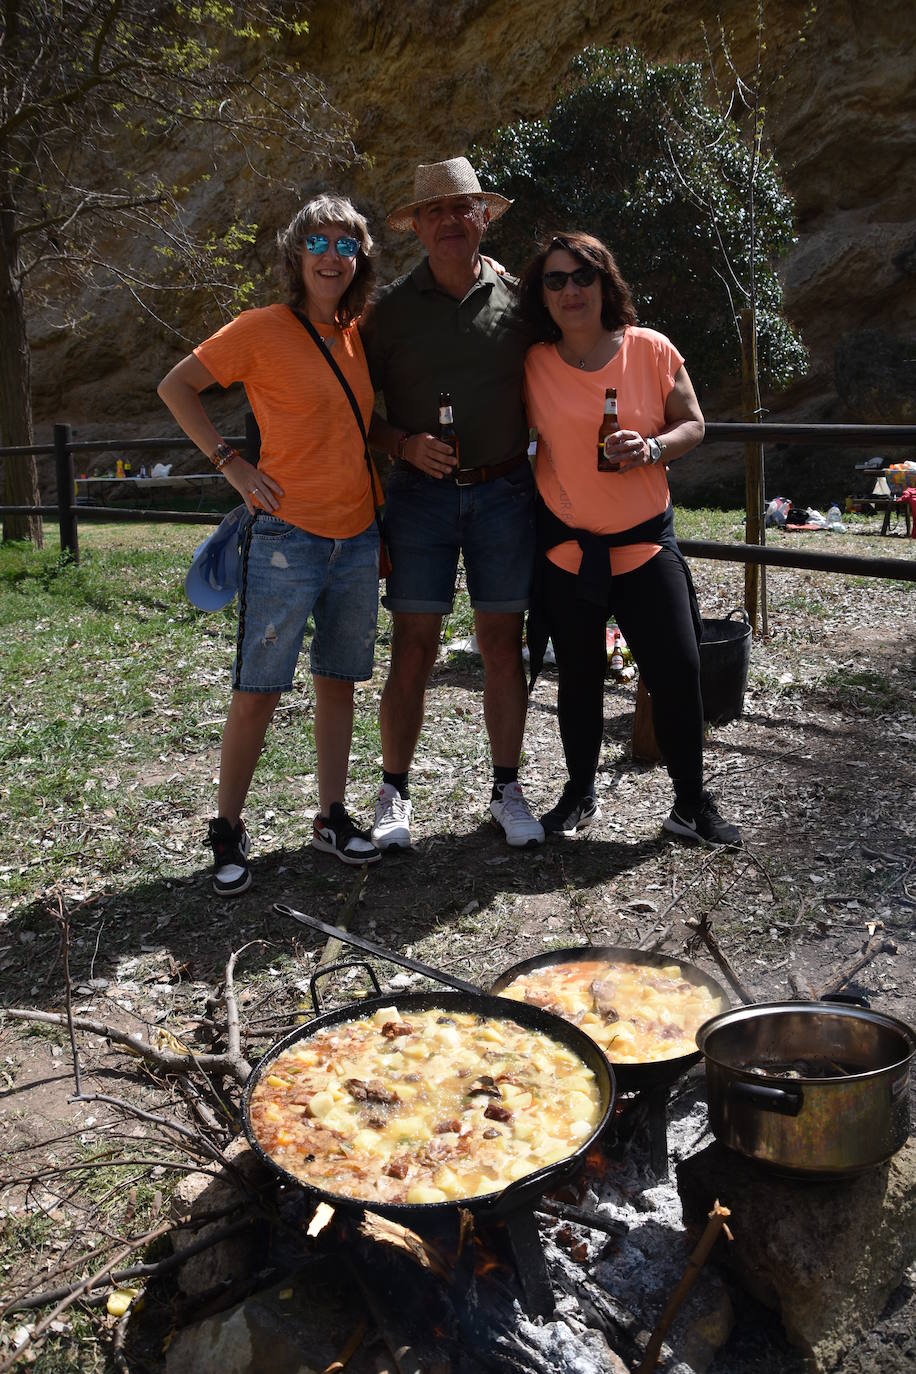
x=426 y=78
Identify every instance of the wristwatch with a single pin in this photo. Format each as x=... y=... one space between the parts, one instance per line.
x=655 y=450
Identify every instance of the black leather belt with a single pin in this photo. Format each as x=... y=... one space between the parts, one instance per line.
x=471 y=477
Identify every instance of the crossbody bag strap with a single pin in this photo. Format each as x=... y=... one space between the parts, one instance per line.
x=354 y=404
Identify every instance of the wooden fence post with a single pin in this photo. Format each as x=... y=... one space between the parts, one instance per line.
x=753 y=487
x=66 y=506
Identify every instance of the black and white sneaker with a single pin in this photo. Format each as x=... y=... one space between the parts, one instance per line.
x=230 y=845
x=703 y=823
x=571 y=813
x=336 y=834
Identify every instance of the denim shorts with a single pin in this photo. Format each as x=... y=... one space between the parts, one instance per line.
x=428 y=521
x=289 y=575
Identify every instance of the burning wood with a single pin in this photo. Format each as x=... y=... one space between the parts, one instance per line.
x=384 y=1231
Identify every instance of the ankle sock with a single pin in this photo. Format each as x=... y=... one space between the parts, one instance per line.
x=501 y=778
x=398 y=780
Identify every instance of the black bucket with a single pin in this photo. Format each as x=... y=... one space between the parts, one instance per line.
x=725 y=654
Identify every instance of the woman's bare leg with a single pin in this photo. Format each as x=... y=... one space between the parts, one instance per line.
x=243 y=738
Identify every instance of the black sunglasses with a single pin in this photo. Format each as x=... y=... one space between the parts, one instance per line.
x=581 y=276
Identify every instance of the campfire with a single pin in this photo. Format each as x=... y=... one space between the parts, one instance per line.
x=597 y=1269
x=573 y=1280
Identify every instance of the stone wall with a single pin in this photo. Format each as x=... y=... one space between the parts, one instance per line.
x=425 y=78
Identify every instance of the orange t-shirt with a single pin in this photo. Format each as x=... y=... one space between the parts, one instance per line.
x=310 y=441
x=566 y=405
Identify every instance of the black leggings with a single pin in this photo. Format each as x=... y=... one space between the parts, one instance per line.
x=652 y=608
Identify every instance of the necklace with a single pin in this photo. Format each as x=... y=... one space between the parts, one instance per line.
x=582 y=361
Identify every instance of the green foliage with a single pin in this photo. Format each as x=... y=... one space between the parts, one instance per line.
x=94 y=98
x=631 y=152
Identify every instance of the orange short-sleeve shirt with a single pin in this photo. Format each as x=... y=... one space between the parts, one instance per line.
x=566 y=405
x=310 y=441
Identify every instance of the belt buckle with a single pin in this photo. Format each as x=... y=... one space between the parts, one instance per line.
x=471 y=480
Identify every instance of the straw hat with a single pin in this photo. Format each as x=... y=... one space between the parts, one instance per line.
x=436 y=180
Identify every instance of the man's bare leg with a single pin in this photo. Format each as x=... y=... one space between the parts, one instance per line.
x=505 y=706
x=414 y=645
x=505 y=693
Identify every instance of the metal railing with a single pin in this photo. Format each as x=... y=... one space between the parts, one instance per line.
x=68 y=514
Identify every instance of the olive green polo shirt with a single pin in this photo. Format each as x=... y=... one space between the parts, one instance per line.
x=420 y=341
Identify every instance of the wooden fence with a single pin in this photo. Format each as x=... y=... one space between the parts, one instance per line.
x=68 y=514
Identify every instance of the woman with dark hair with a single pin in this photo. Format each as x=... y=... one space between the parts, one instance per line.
x=310 y=546
x=606 y=541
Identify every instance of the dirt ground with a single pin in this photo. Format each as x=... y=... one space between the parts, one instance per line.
x=818 y=771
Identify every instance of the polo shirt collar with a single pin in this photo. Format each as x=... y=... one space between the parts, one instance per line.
x=423 y=279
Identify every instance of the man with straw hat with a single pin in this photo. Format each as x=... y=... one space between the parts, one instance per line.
x=452 y=326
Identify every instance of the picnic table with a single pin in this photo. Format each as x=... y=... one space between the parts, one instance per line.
x=891 y=503
x=109 y=491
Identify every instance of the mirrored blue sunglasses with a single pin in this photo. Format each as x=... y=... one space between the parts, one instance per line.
x=318 y=243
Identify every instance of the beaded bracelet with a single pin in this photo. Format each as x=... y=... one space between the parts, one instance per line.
x=223 y=454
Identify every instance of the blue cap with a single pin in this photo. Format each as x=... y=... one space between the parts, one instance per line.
x=212 y=580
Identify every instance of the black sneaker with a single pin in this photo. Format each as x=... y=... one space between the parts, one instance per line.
x=701 y=821
x=336 y=834
x=570 y=814
x=230 y=845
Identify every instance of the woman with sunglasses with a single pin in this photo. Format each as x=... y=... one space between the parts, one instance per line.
x=310 y=546
x=606 y=541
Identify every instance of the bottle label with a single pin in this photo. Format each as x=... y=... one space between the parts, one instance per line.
x=610 y=406
x=445 y=415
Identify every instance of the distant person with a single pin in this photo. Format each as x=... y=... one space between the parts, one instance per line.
x=606 y=541
x=312 y=545
x=451 y=326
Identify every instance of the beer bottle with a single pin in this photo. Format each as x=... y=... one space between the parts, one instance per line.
x=447 y=431
x=608 y=426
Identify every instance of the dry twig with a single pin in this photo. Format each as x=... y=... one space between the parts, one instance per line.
x=705 y=933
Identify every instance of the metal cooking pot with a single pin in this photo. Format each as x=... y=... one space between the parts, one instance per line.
x=630 y=1077
x=847 y=1111
x=524 y=1190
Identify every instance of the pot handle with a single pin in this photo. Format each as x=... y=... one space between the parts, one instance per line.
x=847 y=999
x=769 y=1099
x=334 y=968
x=739 y=611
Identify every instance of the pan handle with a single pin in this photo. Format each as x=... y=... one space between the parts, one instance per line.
x=335 y=968
x=357 y=942
x=847 y=999
x=769 y=1099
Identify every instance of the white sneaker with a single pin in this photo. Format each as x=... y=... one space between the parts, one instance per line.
x=511 y=813
x=392 y=819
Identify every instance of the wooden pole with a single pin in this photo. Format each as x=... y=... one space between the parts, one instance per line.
x=753 y=492
x=644 y=745
x=66 y=507
x=708 y=1239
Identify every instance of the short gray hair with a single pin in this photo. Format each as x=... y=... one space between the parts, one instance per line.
x=322 y=210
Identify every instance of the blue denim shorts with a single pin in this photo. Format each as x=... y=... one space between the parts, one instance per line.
x=428 y=521
x=289 y=575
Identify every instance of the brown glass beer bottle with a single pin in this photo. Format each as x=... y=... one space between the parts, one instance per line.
x=608 y=426
x=447 y=432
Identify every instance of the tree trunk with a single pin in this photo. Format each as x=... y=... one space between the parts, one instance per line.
x=20 y=474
